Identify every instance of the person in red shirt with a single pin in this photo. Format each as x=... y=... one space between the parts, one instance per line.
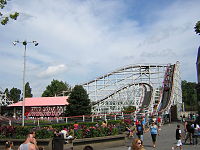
x=76 y=126
x=159 y=122
x=136 y=122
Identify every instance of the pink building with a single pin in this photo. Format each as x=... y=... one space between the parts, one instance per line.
x=42 y=106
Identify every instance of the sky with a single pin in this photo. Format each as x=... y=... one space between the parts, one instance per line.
x=80 y=40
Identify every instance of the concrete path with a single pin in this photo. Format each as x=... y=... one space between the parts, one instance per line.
x=164 y=142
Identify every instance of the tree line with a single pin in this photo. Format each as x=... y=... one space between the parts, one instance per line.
x=79 y=102
x=60 y=88
x=189 y=95
x=56 y=88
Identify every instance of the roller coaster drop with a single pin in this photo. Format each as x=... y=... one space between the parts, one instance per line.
x=150 y=88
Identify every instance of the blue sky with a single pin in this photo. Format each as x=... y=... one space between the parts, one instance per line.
x=80 y=40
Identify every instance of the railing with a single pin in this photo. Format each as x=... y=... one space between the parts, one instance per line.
x=72 y=119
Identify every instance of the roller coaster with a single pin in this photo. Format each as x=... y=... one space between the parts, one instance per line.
x=151 y=88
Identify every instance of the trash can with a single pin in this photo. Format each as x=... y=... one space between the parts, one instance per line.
x=58 y=142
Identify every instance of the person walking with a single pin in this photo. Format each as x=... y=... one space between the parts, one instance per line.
x=29 y=143
x=188 y=131
x=178 y=138
x=143 y=122
x=131 y=130
x=195 y=134
x=140 y=131
x=159 y=122
x=154 y=132
x=137 y=144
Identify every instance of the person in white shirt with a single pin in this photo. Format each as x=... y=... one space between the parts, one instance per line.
x=196 y=129
x=65 y=133
x=29 y=144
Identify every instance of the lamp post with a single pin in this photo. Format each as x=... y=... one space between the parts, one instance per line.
x=24 y=71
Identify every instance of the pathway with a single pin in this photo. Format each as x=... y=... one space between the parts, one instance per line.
x=164 y=142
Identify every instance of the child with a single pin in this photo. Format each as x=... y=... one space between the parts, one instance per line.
x=131 y=130
x=178 y=138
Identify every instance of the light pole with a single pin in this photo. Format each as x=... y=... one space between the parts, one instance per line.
x=24 y=71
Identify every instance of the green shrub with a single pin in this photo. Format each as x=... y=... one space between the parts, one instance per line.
x=78 y=134
x=21 y=132
x=86 y=130
x=44 y=133
x=115 y=131
x=7 y=131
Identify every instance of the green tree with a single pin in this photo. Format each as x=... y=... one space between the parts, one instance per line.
x=15 y=94
x=189 y=94
x=197 y=28
x=5 y=17
x=7 y=92
x=79 y=103
x=56 y=88
x=28 y=90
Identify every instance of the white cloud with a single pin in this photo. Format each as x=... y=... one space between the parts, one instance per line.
x=95 y=37
x=53 y=70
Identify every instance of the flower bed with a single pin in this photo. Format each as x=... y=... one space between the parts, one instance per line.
x=86 y=130
x=19 y=132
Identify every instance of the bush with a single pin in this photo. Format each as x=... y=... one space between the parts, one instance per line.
x=7 y=131
x=21 y=132
x=78 y=134
x=86 y=130
x=44 y=133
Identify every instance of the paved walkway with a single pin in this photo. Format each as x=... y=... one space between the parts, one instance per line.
x=164 y=142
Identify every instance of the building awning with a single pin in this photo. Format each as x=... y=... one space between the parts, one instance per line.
x=42 y=101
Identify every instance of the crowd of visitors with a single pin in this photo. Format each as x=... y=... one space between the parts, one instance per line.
x=139 y=127
x=192 y=132
x=135 y=130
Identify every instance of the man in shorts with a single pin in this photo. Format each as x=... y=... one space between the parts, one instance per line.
x=178 y=138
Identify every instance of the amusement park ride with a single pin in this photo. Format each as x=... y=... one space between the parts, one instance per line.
x=151 y=88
